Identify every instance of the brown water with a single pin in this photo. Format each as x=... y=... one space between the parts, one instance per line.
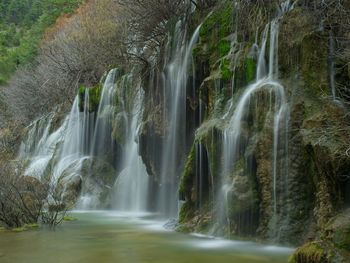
x=103 y=237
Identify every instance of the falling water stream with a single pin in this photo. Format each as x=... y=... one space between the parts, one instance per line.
x=131 y=186
x=266 y=79
x=176 y=78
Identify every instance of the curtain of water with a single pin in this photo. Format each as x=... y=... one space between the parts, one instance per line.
x=131 y=187
x=232 y=146
x=176 y=77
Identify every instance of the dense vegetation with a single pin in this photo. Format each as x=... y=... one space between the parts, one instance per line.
x=22 y=25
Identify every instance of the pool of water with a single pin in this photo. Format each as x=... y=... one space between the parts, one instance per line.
x=121 y=237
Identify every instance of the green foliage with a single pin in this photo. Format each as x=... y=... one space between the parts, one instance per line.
x=22 y=25
x=342 y=239
x=226 y=73
x=224 y=47
x=94 y=97
x=69 y=218
x=220 y=19
x=185 y=214
x=310 y=252
x=250 y=69
x=26 y=227
x=214 y=36
x=188 y=174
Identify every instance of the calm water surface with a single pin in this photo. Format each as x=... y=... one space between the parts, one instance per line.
x=103 y=237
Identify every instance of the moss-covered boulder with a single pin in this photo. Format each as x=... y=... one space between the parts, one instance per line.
x=337 y=231
x=310 y=253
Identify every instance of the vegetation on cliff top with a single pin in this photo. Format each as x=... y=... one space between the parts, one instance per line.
x=22 y=25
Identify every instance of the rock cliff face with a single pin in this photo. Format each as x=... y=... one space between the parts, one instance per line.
x=291 y=195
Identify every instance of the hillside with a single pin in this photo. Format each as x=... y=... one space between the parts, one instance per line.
x=22 y=25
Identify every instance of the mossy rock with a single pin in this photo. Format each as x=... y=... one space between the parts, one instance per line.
x=319 y=252
x=221 y=19
x=224 y=47
x=94 y=97
x=26 y=227
x=214 y=34
x=183 y=229
x=186 y=212
x=187 y=177
x=225 y=70
x=309 y=253
x=250 y=69
x=69 y=218
x=100 y=170
x=338 y=231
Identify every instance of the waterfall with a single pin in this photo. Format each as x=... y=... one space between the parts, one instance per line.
x=176 y=77
x=57 y=156
x=101 y=142
x=235 y=134
x=40 y=146
x=131 y=187
x=71 y=155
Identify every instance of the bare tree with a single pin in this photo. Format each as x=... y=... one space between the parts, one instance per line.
x=27 y=200
x=22 y=198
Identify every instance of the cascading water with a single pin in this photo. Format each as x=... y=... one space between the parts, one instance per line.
x=84 y=140
x=101 y=142
x=176 y=78
x=131 y=187
x=40 y=146
x=235 y=134
x=72 y=155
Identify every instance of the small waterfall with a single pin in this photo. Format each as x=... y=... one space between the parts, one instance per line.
x=98 y=144
x=131 y=186
x=176 y=78
x=101 y=142
x=59 y=156
x=71 y=155
x=40 y=146
x=84 y=140
x=235 y=136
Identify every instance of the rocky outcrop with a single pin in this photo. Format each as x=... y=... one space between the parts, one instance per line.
x=312 y=185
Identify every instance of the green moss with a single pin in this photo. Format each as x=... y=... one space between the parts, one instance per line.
x=250 y=69
x=19 y=229
x=220 y=19
x=310 y=252
x=216 y=27
x=196 y=51
x=183 y=229
x=94 y=97
x=342 y=239
x=187 y=175
x=26 y=227
x=314 y=65
x=226 y=73
x=224 y=47
x=185 y=212
x=69 y=218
